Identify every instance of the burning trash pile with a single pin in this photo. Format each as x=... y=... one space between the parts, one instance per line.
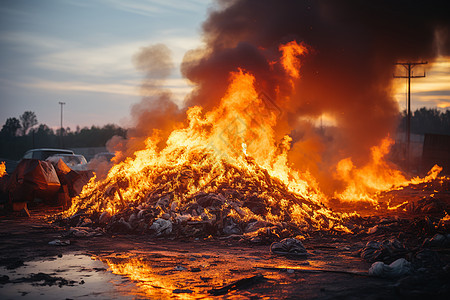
x=233 y=202
x=226 y=172
x=222 y=174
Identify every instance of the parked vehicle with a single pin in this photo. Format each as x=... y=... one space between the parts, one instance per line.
x=44 y=153
x=76 y=162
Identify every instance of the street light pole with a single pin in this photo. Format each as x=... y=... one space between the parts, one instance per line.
x=61 y=129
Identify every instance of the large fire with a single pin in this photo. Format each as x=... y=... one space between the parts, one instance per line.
x=231 y=152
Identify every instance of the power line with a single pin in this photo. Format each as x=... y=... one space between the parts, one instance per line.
x=409 y=66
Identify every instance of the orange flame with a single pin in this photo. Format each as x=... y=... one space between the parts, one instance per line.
x=290 y=57
x=2 y=169
x=378 y=175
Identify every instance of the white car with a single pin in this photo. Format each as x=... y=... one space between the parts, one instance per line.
x=74 y=161
x=44 y=153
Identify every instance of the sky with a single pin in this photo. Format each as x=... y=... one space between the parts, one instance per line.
x=81 y=52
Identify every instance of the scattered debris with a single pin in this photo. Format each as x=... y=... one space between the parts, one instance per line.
x=161 y=227
x=398 y=268
x=179 y=268
x=83 y=232
x=238 y=285
x=438 y=240
x=386 y=251
x=290 y=247
x=372 y=230
x=59 y=242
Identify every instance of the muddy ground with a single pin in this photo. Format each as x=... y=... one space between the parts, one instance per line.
x=138 y=267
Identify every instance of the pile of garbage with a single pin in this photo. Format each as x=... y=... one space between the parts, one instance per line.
x=235 y=202
x=53 y=183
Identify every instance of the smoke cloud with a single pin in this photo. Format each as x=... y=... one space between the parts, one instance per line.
x=156 y=114
x=347 y=75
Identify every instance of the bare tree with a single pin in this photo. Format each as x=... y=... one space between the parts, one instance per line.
x=28 y=120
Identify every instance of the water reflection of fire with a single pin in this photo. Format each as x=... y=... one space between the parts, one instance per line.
x=137 y=270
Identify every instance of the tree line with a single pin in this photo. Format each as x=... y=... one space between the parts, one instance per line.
x=427 y=120
x=23 y=133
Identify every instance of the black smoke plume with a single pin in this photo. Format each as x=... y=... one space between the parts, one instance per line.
x=347 y=75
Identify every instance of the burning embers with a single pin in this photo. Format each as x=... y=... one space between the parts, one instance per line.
x=224 y=173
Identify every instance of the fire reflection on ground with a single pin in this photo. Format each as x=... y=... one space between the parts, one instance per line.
x=183 y=275
x=192 y=274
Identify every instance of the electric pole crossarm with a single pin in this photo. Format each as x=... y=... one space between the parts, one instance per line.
x=409 y=66
x=411 y=63
x=412 y=76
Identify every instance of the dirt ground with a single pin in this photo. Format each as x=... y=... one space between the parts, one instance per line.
x=138 y=267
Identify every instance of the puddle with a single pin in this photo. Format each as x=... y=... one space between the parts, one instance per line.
x=72 y=276
x=130 y=275
x=157 y=274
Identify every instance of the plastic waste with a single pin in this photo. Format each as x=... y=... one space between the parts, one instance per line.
x=289 y=246
x=398 y=268
x=59 y=242
x=162 y=227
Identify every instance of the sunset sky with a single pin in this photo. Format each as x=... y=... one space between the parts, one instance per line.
x=81 y=53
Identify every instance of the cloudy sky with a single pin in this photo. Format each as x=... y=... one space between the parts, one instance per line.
x=81 y=52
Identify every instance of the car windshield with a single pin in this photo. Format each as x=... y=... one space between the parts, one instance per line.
x=71 y=160
x=45 y=154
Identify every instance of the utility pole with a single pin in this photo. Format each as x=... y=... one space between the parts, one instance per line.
x=409 y=66
x=61 y=129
